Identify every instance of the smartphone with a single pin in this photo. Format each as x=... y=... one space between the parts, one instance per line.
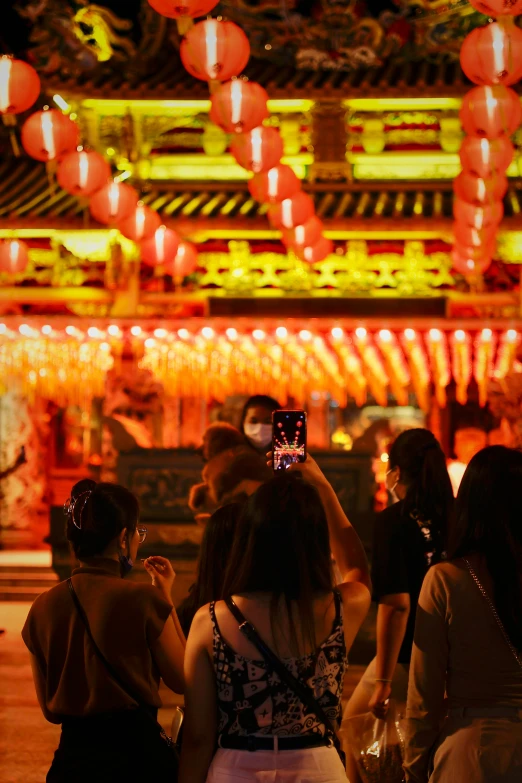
x=288 y=438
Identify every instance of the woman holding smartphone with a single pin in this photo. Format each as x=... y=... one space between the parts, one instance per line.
x=280 y=578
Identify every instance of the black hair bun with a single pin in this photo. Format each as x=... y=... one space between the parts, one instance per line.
x=85 y=485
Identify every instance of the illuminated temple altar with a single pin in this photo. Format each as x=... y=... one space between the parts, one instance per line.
x=89 y=333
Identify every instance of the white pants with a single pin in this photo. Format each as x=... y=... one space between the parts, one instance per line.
x=312 y=765
x=479 y=750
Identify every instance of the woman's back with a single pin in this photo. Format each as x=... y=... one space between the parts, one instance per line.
x=481 y=669
x=267 y=705
x=125 y=618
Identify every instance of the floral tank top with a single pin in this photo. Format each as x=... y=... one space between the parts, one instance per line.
x=253 y=700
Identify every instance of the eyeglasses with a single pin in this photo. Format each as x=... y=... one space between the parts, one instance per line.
x=142 y=532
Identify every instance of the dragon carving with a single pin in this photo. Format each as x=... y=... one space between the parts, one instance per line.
x=75 y=36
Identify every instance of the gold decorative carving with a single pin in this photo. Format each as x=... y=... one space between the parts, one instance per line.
x=353 y=271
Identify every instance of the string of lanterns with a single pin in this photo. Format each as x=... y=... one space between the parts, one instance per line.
x=213 y=361
x=52 y=137
x=217 y=51
x=491 y=57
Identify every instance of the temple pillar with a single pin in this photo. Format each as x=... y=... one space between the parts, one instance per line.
x=329 y=140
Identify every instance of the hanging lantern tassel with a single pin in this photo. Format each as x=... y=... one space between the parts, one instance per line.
x=438 y=352
x=397 y=369
x=419 y=367
x=462 y=370
x=350 y=368
x=507 y=352
x=375 y=372
x=184 y=23
x=483 y=365
x=9 y=121
x=50 y=168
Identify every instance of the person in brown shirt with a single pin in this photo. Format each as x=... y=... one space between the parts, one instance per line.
x=464 y=706
x=106 y=734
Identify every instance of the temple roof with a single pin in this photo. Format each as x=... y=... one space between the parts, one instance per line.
x=170 y=80
x=30 y=198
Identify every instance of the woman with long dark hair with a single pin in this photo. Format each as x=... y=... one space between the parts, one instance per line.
x=214 y=556
x=279 y=577
x=409 y=537
x=99 y=644
x=465 y=695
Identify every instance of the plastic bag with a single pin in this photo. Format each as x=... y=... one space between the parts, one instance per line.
x=376 y=745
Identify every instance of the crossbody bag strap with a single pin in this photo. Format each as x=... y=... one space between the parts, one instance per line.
x=491 y=605
x=108 y=667
x=299 y=688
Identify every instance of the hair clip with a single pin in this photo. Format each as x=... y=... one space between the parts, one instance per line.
x=70 y=506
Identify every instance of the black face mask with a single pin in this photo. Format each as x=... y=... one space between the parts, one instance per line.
x=126 y=561
x=126 y=564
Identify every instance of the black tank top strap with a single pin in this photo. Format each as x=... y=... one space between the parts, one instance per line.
x=212 y=612
x=338 y=608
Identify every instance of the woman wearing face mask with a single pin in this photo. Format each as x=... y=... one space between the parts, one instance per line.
x=256 y=421
x=409 y=537
x=108 y=723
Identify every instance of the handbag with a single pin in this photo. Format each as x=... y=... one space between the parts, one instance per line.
x=491 y=605
x=299 y=688
x=168 y=744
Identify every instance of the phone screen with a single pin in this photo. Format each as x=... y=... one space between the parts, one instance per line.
x=288 y=438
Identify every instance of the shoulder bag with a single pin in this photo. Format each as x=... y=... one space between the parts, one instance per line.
x=298 y=687
x=167 y=744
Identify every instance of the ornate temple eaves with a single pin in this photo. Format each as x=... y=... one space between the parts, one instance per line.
x=226 y=210
x=415 y=79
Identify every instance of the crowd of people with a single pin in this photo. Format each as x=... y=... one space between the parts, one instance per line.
x=260 y=646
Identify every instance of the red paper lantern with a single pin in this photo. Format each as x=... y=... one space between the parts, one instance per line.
x=485 y=158
x=493 y=54
x=49 y=135
x=274 y=185
x=140 y=224
x=303 y=236
x=19 y=85
x=315 y=253
x=215 y=50
x=475 y=253
x=292 y=212
x=177 y=9
x=82 y=172
x=239 y=106
x=476 y=190
x=259 y=150
x=478 y=217
x=161 y=248
x=184 y=263
x=467 y=265
x=113 y=203
x=498 y=7
x=14 y=256
x=472 y=237
x=491 y=111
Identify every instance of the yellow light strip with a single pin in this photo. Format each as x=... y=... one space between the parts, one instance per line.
x=201 y=167
x=421 y=103
x=120 y=106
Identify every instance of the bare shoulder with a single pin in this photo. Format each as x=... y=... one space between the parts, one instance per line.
x=355 y=594
x=201 y=628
